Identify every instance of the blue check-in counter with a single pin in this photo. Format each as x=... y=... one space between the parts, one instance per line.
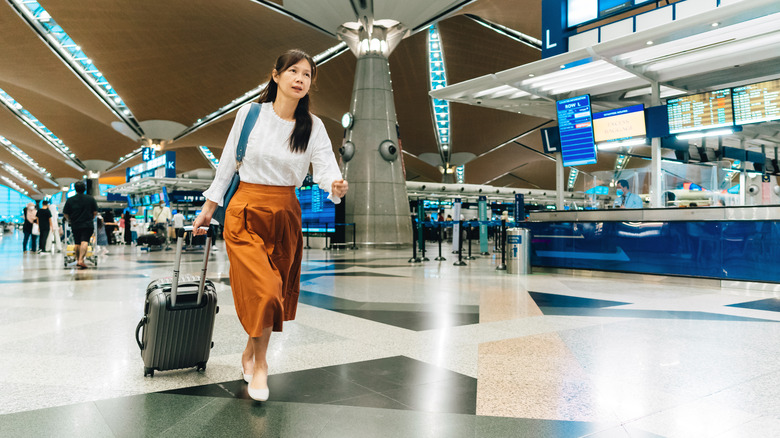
x=729 y=243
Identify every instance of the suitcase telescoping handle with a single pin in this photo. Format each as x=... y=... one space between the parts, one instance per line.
x=177 y=264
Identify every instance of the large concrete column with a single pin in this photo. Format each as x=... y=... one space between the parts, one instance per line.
x=377 y=201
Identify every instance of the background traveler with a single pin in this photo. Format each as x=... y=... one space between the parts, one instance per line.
x=44 y=225
x=27 y=226
x=80 y=210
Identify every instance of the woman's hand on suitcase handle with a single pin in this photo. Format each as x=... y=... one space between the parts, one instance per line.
x=204 y=218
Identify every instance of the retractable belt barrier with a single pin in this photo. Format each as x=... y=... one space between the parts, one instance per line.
x=499 y=229
x=327 y=233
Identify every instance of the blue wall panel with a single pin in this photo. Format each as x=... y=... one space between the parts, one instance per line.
x=735 y=250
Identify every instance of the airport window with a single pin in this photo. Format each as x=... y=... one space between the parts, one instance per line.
x=12 y=204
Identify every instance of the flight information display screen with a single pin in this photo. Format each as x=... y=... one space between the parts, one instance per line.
x=316 y=209
x=700 y=111
x=619 y=124
x=576 y=128
x=757 y=102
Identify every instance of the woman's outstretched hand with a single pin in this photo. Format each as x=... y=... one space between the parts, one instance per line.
x=339 y=188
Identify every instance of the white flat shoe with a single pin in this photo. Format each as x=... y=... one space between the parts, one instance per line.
x=258 y=394
x=247 y=377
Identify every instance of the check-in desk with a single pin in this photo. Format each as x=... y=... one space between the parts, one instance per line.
x=729 y=243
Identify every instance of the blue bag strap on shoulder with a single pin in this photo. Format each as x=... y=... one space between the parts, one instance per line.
x=249 y=123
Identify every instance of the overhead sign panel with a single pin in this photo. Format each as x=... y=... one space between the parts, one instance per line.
x=757 y=102
x=702 y=111
x=619 y=124
x=575 y=125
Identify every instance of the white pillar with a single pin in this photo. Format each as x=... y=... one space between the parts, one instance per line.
x=656 y=184
x=558 y=181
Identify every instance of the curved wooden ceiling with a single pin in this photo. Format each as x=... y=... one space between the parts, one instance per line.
x=181 y=60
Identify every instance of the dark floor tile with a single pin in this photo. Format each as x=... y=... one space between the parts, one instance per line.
x=554 y=300
x=239 y=418
x=650 y=314
x=380 y=375
x=456 y=396
x=148 y=414
x=416 y=321
x=533 y=428
x=310 y=276
x=327 y=301
x=769 y=304
x=226 y=389
x=313 y=386
x=83 y=419
x=365 y=422
x=372 y=400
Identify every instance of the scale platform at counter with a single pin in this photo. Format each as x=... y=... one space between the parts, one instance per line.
x=729 y=243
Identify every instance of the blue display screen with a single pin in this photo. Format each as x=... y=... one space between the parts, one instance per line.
x=607 y=7
x=317 y=210
x=576 y=128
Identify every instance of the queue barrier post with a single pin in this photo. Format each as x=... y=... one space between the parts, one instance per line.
x=439 y=258
x=469 y=233
x=422 y=243
x=327 y=243
x=460 y=261
x=414 y=258
x=502 y=265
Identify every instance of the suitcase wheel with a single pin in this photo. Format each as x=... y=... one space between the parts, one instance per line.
x=202 y=366
x=148 y=372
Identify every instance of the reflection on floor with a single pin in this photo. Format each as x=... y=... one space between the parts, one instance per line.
x=381 y=347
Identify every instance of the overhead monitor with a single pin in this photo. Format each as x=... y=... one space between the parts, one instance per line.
x=576 y=129
x=757 y=102
x=698 y=112
x=620 y=126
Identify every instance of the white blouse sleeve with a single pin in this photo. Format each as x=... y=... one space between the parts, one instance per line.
x=326 y=169
x=227 y=162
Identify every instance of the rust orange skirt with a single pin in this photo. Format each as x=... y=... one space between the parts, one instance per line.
x=264 y=245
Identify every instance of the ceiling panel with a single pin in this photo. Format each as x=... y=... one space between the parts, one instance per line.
x=522 y=16
x=180 y=60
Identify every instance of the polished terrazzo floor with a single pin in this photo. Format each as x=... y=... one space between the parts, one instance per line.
x=384 y=348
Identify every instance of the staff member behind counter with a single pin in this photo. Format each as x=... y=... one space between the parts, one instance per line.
x=626 y=199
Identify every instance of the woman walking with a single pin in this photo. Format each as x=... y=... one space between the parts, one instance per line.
x=262 y=228
x=28 y=218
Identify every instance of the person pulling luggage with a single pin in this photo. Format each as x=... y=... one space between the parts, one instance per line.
x=80 y=210
x=262 y=226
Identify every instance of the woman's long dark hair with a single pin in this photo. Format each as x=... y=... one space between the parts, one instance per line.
x=299 y=139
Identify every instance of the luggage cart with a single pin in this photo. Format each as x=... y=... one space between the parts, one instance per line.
x=69 y=252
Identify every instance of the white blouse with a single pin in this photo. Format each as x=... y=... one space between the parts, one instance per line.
x=268 y=159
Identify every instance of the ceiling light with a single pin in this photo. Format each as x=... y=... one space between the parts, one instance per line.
x=705 y=134
x=617 y=144
x=716 y=24
x=649 y=43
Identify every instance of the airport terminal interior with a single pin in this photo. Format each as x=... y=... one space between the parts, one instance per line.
x=562 y=217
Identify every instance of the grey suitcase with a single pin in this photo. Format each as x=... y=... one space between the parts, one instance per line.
x=178 y=318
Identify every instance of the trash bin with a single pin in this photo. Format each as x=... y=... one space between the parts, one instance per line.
x=518 y=251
